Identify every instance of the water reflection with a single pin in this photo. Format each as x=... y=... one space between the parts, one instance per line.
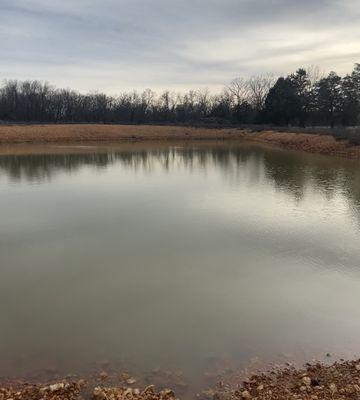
x=289 y=171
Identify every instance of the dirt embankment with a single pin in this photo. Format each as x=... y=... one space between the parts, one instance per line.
x=313 y=143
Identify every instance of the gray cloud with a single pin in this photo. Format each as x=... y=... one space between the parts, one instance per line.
x=116 y=45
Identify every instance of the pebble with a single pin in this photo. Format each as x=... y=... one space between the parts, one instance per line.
x=306 y=380
x=99 y=394
x=81 y=383
x=245 y=395
x=333 y=387
x=56 y=387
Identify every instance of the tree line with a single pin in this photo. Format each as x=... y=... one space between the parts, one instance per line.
x=304 y=98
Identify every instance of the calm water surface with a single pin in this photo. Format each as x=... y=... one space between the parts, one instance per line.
x=176 y=255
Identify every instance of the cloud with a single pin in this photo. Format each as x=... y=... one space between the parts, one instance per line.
x=116 y=45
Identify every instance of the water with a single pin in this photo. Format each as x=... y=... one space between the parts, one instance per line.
x=176 y=255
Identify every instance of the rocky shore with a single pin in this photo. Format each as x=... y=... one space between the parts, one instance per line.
x=339 y=381
x=79 y=390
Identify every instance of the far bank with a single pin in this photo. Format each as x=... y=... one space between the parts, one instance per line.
x=82 y=133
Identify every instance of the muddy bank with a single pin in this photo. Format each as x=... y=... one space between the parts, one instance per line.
x=338 y=381
x=67 y=134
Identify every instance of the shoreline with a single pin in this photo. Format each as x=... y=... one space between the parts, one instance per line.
x=88 y=133
x=317 y=381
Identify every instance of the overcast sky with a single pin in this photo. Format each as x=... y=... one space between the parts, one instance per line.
x=115 y=45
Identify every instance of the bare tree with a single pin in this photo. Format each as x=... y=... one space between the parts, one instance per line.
x=240 y=90
x=259 y=87
x=314 y=74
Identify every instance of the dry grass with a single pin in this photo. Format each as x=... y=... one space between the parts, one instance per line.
x=67 y=134
x=101 y=133
x=311 y=143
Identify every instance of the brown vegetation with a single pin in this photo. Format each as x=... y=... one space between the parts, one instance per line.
x=107 y=133
x=313 y=143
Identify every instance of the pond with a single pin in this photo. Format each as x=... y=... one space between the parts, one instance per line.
x=178 y=256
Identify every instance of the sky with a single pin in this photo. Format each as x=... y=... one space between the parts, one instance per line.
x=120 y=45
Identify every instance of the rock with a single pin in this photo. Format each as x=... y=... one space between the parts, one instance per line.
x=56 y=387
x=124 y=376
x=306 y=380
x=127 y=392
x=357 y=367
x=131 y=381
x=149 y=389
x=167 y=394
x=315 y=382
x=260 y=388
x=245 y=395
x=333 y=387
x=81 y=383
x=99 y=394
